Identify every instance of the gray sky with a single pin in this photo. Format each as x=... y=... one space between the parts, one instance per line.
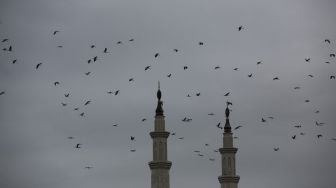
x=35 y=151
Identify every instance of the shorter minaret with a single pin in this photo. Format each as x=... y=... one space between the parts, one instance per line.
x=228 y=179
x=159 y=166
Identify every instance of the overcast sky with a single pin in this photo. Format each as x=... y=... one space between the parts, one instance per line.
x=35 y=126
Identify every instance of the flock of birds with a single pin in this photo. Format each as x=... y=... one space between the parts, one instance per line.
x=8 y=48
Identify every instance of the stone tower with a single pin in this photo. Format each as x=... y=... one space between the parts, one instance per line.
x=228 y=179
x=159 y=166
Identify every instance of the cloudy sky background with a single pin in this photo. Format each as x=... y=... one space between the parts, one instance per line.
x=34 y=126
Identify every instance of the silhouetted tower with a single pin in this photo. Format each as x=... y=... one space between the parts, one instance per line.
x=159 y=166
x=228 y=179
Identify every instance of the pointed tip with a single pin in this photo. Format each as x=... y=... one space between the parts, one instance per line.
x=158 y=85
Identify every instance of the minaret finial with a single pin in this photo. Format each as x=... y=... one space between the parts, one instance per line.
x=227 y=127
x=159 y=110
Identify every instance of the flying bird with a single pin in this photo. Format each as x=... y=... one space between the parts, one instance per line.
x=229 y=103
x=2 y=92
x=227 y=94
x=95 y=58
x=200 y=43
x=4 y=40
x=332 y=77
x=298 y=126
x=131 y=40
x=327 y=41
x=89 y=61
x=276 y=149
x=319 y=135
x=188 y=95
x=196 y=151
x=240 y=28
x=293 y=137
x=176 y=50
x=217 y=67
x=307 y=100
x=218 y=125
x=115 y=125
x=56 y=83
x=211 y=114
x=70 y=137
x=276 y=78
x=67 y=95
x=119 y=42
x=82 y=114
x=147 y=67
x=92 y=46
x=131 y=79
x=105 y=50
x=116 y=92
x=87 y=73
x=64 y=104
x=319 y=123
x=38 y=65
x=87 y=102
x=78 y=145
x=185 y=67
x=307 y=59
x=14 y=61
x=263 y=120
x=181 y=138
x=311 y=76
x=156 y=55
x=250 y=75
x=133 y=150
x=332 y=55
x=259 y=62
x=198 y=94
x=211 y=159
x=143 y=119
x=236 y=69
x=297 y=87
x=169 y=75
x=88 y=167
x=238 y=127
x=76 y=109
x=55 y=32
x=132 y=138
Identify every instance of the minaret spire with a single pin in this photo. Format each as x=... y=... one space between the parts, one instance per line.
x=160 y=165
x=228 y=179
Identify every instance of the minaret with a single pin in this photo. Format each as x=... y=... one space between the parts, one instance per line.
x=159 y=166
x=228 y=179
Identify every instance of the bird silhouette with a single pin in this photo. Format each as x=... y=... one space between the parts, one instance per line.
x=38 y=65
x=169 y=75
x=270 y=117
x=298 y=126
x=240 y=28
x=302 y=134
x=89 y=61
x=88 y=167
x=92 y=46
x=259 y=62
x=147 y=67
x=211 y=159
x=196 y=151
x=176 y=50
x=174 y=133
x=276 y=78
x=4 y=40
x=307 y=100
x=78 y=146
x=211 y=114
x=327 y=41
x=319 y=135
x=319 y=123
x=60 y=46
x=131 y=40
x=70 y=137
x=105 y=50
x=217 y=67
x=218 y=125
x=307 y=59
x=76 y=109
x=297 y=87
x=236 y=69
x=131 y=79
x=2 y=92
x=185 y=67
x=64 y=104
x=143 y=119
x=95 y=58
x=327 y=62
x=238 y=127
x=132 y=138
x=198 y=94
x=317 y=111
x=119 y=42
x=14 y=61
x=200 y=43
x=116 y=92
x=133 y=150
x=332 y=55
x=82 y=114
x=229 y=103
x=227 y=94
x=332 y=77
x=250 y=75
x=87 y=73
x=115 y=125
x=188 y=95
x=311 y=76
x=109 y=92
x=55 y=32
x=156 y=55
x=276 y=149
x=67 y=95
x=181 y=138
x=263 y=120
x=87 y=102
x=56 y=83
x=293 y=137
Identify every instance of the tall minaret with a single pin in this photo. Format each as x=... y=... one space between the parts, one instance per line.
x=159 y=166
x=228 y=179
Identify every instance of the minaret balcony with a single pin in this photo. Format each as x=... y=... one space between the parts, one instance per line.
x=163 y=134
x=228 y=150
x=228 y=179
x=160 y=165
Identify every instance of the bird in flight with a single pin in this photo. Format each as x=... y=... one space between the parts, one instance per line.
x=276 y=149
x=319 y=135
x=116 y=92
x=200 y=43
x=92 y=46
x=332 y=55
x=143 y=119
x=211 y=159
x=56 y=83
x=298 y=126
x=156 y=55
x=263 y=120
x=133 y=150
x=227 y=94
x=259 y=62
x=250 y=75
x=181 y=138
x=198 y=94
x=87 y=102
x=238 y=127
x=4 y=40
x=14 y=61
x=211 y=114
x=95 y=58
x=293 y=137
x=311 y=76
x=38 y=65
x=176 y=50
x=87 y=73
x=297 y=87
x=147 y=67
x=236 y=69
x=2 y=92
x=64 y=104
x=131 y=40
x=105 y=50
x=115 y=125
x=318 y=123
x=119 y=42
x=169 y=75
x=327 y=41
x=307 y=59
x=82 y=114
x=67 y=95
x=240 y=28
x=88 y=167
x=132 y=138
x=78 y=146
x=217 y=67
x=55 y=32
x=185 y=67
x=276 y=78
x=332 y=77
x=76 y=109
x=307 y=100
x=131 y=79
x=70 y=137
x=218 y=125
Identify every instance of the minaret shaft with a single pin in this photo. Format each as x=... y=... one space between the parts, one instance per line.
x=160 y=165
